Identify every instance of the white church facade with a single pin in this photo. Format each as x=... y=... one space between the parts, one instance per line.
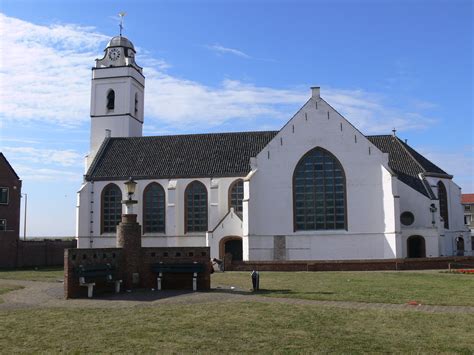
x=317 y=189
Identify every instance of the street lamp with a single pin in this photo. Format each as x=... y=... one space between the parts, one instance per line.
x=24 y=220
x=130 y=186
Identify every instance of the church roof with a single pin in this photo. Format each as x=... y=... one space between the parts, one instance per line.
x=227 y=154
x=120 y=41
x=181 y=156
x=407 y=163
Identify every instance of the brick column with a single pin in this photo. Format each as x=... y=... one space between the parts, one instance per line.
x=129 y=238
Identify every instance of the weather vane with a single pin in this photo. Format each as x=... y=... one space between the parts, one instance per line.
x=121 y=14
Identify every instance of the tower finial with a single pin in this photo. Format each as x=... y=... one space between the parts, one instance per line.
x=394 y=132
x=122 y=15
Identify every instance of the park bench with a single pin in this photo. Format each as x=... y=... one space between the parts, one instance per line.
x=182 y=268
x=90 y=274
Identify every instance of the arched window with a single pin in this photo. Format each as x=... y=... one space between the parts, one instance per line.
x=236 y=196
x=111 y=100
x=154 y=209
x=111 y=208
x=195 y=198
x=443 y=203
x=136 y=103
x=319 y=192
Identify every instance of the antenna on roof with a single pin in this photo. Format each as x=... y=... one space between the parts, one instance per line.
x=122 y=15
x=394 y=132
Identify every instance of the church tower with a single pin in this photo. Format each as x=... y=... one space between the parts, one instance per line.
x=117 y=95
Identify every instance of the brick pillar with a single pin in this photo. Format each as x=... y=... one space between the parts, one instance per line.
x=129 y=238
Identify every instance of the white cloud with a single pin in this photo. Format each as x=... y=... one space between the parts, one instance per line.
x=217 y=48
x=45 y=156
x=46 y=78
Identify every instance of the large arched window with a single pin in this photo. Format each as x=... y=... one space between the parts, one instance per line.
x=443 y=203
x=154 y=209
x=195 y=198
x=111 y=100
x=111 y=208
x=319 y=192
x=236 y=196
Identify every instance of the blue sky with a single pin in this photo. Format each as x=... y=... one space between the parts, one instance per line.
x=216 y=66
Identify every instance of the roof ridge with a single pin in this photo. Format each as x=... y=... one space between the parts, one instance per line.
x=9 y=165
x=200 y=134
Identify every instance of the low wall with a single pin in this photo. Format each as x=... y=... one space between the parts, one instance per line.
x=43 y=252
x=147 y=279
x=348 y=265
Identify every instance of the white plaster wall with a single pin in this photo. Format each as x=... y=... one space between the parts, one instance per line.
x=89 y=199
x=370 y=202
x=231 y=225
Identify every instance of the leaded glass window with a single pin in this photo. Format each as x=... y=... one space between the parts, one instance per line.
x=196 y=207
x=319 y=189
x=443 y=203
x=236 y=196
x=111 y=208
x=154 y=209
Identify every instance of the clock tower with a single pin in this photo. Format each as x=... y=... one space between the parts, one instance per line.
x=117 y=95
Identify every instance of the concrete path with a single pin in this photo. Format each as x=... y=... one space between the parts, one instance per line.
x=36 y=294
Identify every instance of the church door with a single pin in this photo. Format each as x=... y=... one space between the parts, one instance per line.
x=233 y=246
x=460 y=246
x=416 y=247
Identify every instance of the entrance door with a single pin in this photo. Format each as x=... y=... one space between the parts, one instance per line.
x=233 y=245
x=460 y=246
x=416 y=247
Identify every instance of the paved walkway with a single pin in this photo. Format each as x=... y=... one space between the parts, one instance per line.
x=36 y=294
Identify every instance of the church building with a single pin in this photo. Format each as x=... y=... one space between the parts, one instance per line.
x=317 y=189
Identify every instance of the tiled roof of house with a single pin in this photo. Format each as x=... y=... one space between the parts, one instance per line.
x=182 y=156
x=467 y=198
x=225 y=154
x=406 y=162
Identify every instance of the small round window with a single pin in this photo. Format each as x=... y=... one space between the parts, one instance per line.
x=407 y=218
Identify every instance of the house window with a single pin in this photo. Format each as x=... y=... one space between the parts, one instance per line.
x=3 y=225
x=319 y=192
x=443 y=203
x=111 y=100
x=236 y=196
x=111 y=208
x=195 y=207
x=4 y=195
x=467 y=208
x=154 y=209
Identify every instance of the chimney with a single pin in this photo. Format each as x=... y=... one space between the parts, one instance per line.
x=316 y=92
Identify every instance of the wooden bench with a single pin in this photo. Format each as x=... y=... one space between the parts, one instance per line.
x=182 y=268
x=90 y=274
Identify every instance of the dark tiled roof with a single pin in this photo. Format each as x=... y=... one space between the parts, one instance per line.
x=225 y=154
x=183 y=156
x=406 y=162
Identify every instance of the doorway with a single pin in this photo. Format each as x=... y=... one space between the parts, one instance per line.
x=416 y=247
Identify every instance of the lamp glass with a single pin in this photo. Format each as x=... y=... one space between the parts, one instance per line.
x=130 y=185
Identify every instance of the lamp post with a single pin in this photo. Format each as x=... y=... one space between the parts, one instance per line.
x=24 y=220
x=129 y=238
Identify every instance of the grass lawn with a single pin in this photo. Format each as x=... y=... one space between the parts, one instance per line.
x=7 y=288
x=233 y=327
x=34 y=274
x=432 y=287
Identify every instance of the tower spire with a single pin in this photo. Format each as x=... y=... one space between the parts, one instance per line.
x=122 y=15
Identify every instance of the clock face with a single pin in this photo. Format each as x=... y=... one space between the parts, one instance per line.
x=114 y=54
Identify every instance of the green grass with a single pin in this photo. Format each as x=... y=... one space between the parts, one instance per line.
x=34 y=274
x=374 y=287
x=7 y=288
x=232 y=328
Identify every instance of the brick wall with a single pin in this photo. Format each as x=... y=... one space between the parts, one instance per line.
x=349 y=265
x=148 y=256
x=8 y=249
x=43 y=252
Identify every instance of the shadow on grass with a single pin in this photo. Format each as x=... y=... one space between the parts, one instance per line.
x=265 y=292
